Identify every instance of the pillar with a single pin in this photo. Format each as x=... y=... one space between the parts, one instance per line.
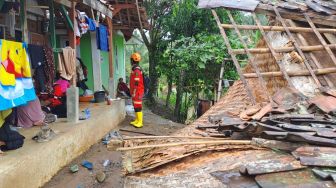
x=72 y=92
x=111 y=65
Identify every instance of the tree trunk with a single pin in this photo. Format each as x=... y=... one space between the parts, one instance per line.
x=152 y=75
x=179 y=95
x=170 y=87
x=185 y=114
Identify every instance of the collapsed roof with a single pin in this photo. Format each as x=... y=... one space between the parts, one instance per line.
x=293 y=61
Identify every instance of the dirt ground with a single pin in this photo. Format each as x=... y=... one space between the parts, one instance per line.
x=154 y=125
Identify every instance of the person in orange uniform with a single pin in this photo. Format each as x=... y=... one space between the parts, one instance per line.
x=137 y=89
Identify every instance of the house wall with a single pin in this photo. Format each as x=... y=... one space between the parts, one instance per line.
x=119 y=57
x=86 y=52
x=86 y=56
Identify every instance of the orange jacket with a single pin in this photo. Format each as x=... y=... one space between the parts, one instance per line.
x=137 y=87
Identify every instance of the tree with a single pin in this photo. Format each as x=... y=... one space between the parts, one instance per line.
x=157 y=11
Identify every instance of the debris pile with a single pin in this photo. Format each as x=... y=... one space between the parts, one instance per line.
x=302 y=130
x=289 y=117
x=284 y=169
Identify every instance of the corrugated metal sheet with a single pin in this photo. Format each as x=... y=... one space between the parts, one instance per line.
x=248 y=5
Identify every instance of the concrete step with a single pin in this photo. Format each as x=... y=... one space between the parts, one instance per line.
x=36 y=163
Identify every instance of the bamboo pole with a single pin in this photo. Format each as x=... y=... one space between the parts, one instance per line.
x=234 y=58
x=320 y=37
x=273 y=52
x=285 y=49
x=221 y=142
x=167 y=137
x=250 y=57
x=280 y=28
x=297 y=47
x=136 y=132
x=292 y=73
x=312 y=56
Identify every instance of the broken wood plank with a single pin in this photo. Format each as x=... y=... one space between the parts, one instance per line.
x=137 y=132
x=221 y=142
x=167 y=137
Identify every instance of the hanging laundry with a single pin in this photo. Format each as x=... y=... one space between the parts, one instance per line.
x=49 y=68
x=76 y=29
x=16 y=85
x=67 y=63
x=36 y=54
x=91 y=23
x=83 y=26
x=102 y=38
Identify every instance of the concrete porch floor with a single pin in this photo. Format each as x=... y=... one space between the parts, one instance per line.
x=36 y=163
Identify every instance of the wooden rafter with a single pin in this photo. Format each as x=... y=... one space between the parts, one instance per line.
x=249 y=55
x=297 y=47
x=267 y=40
x=321 y=39
x=280 y=28
x=312 y=56
x=234 y=58
x=285 y=49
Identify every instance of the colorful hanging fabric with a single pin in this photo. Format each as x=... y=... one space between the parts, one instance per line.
x=91 y=23
x=16 y=85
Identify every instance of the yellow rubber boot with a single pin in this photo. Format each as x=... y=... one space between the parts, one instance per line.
x=139 y=124
x=136 y=119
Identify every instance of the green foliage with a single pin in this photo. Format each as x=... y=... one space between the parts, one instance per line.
x=185 y=38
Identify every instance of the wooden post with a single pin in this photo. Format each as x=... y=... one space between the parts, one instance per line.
x=110 y=26
x=220 y=82
x=72 y=36
x=234 y=59
x=52 y=24
x=23 y=20
x=72 y=17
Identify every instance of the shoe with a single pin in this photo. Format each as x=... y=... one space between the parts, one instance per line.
x=136 y=119
x=139 y=124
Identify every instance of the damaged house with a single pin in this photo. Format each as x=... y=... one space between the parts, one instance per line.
x=278 y=121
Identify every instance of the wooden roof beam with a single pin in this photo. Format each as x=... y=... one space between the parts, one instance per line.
x=124 y=6
x=298 y=16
